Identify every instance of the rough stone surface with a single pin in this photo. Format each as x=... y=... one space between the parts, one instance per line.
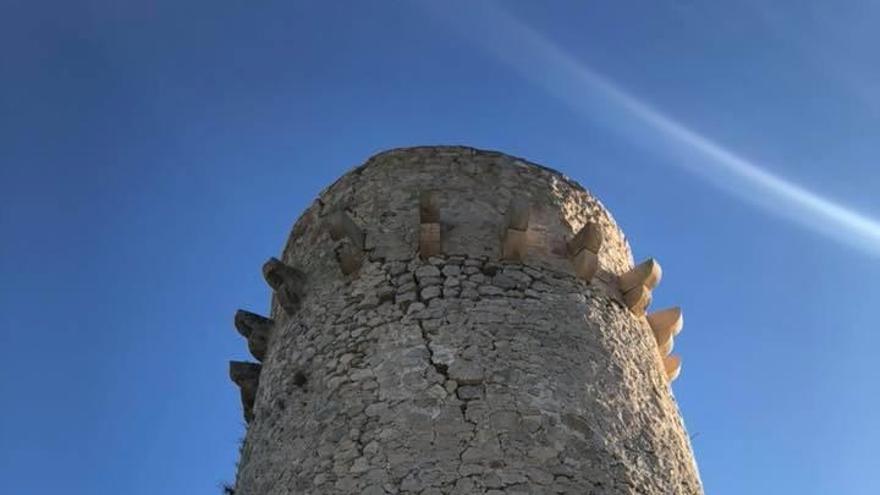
x=461 y=373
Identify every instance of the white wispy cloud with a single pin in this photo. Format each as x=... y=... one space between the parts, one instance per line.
x=586 y=91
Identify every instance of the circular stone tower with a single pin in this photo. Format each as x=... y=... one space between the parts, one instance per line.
x=447 y=320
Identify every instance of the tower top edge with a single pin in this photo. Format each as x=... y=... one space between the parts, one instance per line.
x=463 y=151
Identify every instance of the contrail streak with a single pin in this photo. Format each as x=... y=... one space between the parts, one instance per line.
x=540 y=61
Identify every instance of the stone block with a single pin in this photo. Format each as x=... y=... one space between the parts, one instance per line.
x=256 y=329
x=585 y=263
x=665 y=324
x=349 y=257
x=638 y=299
x=647 y=273
x=247 y=377
x=341 y=226
x=429 y=212
x=589 y=237
x=518 y=214
x=429 y=240
x=515 y=245
x=672 y=366
x=287 y=282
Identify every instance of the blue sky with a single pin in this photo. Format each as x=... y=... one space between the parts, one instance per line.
x=154 y=154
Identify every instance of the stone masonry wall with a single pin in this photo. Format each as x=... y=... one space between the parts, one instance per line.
x=461 y=373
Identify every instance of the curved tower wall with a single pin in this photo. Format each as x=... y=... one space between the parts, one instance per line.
x=437 y=326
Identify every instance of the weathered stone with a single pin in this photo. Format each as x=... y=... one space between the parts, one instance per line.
x=469 y=392
x=504 y=281
x=585 y=264
x=672 y=366
x=431 y=292
x=429 y=212
x=589 y=237
x=256 y=329
x=340 y=225
x=247 y=377
x=349 y=258
x=490 y=290
x=287 y=282
x=451 y=271
x=647 y=273
x=429 y=240
x=515 y=245
x=466 y=372
x=665 y=324
x=519 y=379
x=427 y=271
x=518 y=213
x=638 y=299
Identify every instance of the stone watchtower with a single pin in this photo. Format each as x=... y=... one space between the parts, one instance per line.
x=447 y=320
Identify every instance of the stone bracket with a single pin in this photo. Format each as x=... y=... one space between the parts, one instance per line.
x=637 y=299
x=247 y=376
x=256 y=329
x=586 y=264
x=515 y=243
x=287 y=282
x=589 y=237
x=637 y=284
x=429 y=225
x=340 y=226
x=349 y=257
x=583 y=249
x=672 y=367
x=647 y=273
x=665 y=324
x=350 y=254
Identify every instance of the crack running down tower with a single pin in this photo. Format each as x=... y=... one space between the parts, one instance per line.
x=447 y=320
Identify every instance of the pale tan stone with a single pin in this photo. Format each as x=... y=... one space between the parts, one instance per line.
x=518 y=214
x=647 y=273
x=340 y=226
x=350 y=258
x=638 y=299
x=247 y=377
x=585 y=263
x=665 y=324
x=589 y=237
x=515 y=245
x=429 y=212
x=666 y=348
x=429 y=240
x=672 y=366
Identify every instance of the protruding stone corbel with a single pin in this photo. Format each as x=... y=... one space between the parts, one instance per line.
x=672 y=366
x=287 y=282
x=515 y=243
x=583 y=249
x=256 y=329
x=350 y=254
x=349 y=258
x=590 y=237
x=247 y=377
x=429 y=225
x=342 y=226
x=665 y=324
x=638 y=283
x=647 y=273
x=637 y=299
